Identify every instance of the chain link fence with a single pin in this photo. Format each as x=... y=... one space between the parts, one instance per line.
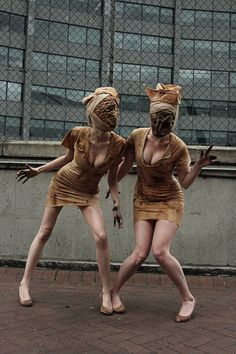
x=54 y=52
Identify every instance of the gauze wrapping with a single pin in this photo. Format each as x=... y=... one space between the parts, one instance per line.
x=165 y=97
x=97 y=97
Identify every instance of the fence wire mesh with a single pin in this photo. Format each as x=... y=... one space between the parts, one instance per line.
x=54 y=52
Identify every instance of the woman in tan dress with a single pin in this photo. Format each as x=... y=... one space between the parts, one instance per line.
x=158 y=199
x=91 y=152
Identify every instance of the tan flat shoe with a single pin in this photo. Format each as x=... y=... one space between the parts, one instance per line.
x=103 y=309
x=179 y=318
x=25 y=303
x=119 y=309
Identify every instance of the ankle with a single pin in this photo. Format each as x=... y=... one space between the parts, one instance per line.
x=188 y=299
x=24 y=283
x=114 y=292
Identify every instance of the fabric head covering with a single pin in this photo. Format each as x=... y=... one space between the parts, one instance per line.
x=97 y=97
x=164 y=97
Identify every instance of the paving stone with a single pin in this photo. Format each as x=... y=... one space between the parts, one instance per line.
x=65 y=317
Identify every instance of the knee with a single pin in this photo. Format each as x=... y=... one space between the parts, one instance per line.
x=139 y=256
x=101 y=239
x=160 y=255
x=44 y=234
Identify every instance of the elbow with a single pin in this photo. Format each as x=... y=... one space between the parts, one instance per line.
x=184 y=185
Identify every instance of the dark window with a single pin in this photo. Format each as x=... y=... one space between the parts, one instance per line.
x=56 y=63
x=130 y=103
x=4 y=22
x=220 y=79
x=220 y=49
x=151 y=13
x=56 y=96
x=54 y=129
x=77 y=34
x=38 y=94
x=202 y=78
x=93 y=37
x=95 y=7
x=233 y=79
x=80 y=6
x=60 y=4
x=39 y=61
x=221 y=19
x=3 y=90
x=14 y=91
x=3 y=56
x=133 y=12
x=166 y=15
x=41 y=29
x=37 y=128
x=17 y=24
x=59 y=31
x=203 y=18
x=132 y=41
x=13 y=127
x=188 y=17
x=76 y=65
x=16 y=57
x=165 y=45
x=150 y=44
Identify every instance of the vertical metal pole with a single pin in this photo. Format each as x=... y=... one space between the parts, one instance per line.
x=177 y=41
x=108 y=42
x=26 y=109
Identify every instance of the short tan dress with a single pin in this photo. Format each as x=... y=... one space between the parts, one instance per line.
x=77 y=182
x=158 y=195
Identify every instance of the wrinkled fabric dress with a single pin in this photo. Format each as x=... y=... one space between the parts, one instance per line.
x=158 y=195
x=77 y=182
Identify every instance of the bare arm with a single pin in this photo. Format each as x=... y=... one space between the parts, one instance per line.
x=125 y=165
x=113 y=184
x=57 y=163
x=114 y=191
x=204 y=160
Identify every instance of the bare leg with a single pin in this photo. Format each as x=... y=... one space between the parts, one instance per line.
x=163 y=235
x=46 y=227
x=94 y=218
x=143 y=236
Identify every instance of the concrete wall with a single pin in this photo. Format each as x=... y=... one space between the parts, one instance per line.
x=206 y=237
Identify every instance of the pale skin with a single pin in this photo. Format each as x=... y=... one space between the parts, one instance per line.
x=99 y=144
x=157 y=236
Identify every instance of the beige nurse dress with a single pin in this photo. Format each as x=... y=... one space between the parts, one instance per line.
x=158 y=195
x=76 y=183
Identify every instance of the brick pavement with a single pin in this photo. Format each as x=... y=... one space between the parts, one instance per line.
x=65 y=317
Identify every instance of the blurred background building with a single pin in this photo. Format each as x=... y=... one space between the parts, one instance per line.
x=53 y=52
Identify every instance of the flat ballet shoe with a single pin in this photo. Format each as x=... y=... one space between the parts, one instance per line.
x=103 y=309
x=119 y=309
x=179 y=318
x=25 y=303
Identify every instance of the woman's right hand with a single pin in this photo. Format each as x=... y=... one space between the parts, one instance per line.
x=24 y=175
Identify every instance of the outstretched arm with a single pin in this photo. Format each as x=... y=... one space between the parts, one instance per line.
x=30 y=172
x=204 y=160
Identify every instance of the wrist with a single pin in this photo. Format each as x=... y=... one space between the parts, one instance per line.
x=198 y=165
x=39 y=169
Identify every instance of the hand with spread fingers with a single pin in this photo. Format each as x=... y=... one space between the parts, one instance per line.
x=117 y=217
x=24 y=175
x=205 y=159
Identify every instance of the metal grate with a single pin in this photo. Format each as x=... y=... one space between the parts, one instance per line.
x=53 y=52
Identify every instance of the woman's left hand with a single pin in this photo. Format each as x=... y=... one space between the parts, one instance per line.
x=117 y=217
x=205 y=159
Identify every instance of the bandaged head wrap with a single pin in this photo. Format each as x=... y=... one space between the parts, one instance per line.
x=99 y=108
x=165 y=100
